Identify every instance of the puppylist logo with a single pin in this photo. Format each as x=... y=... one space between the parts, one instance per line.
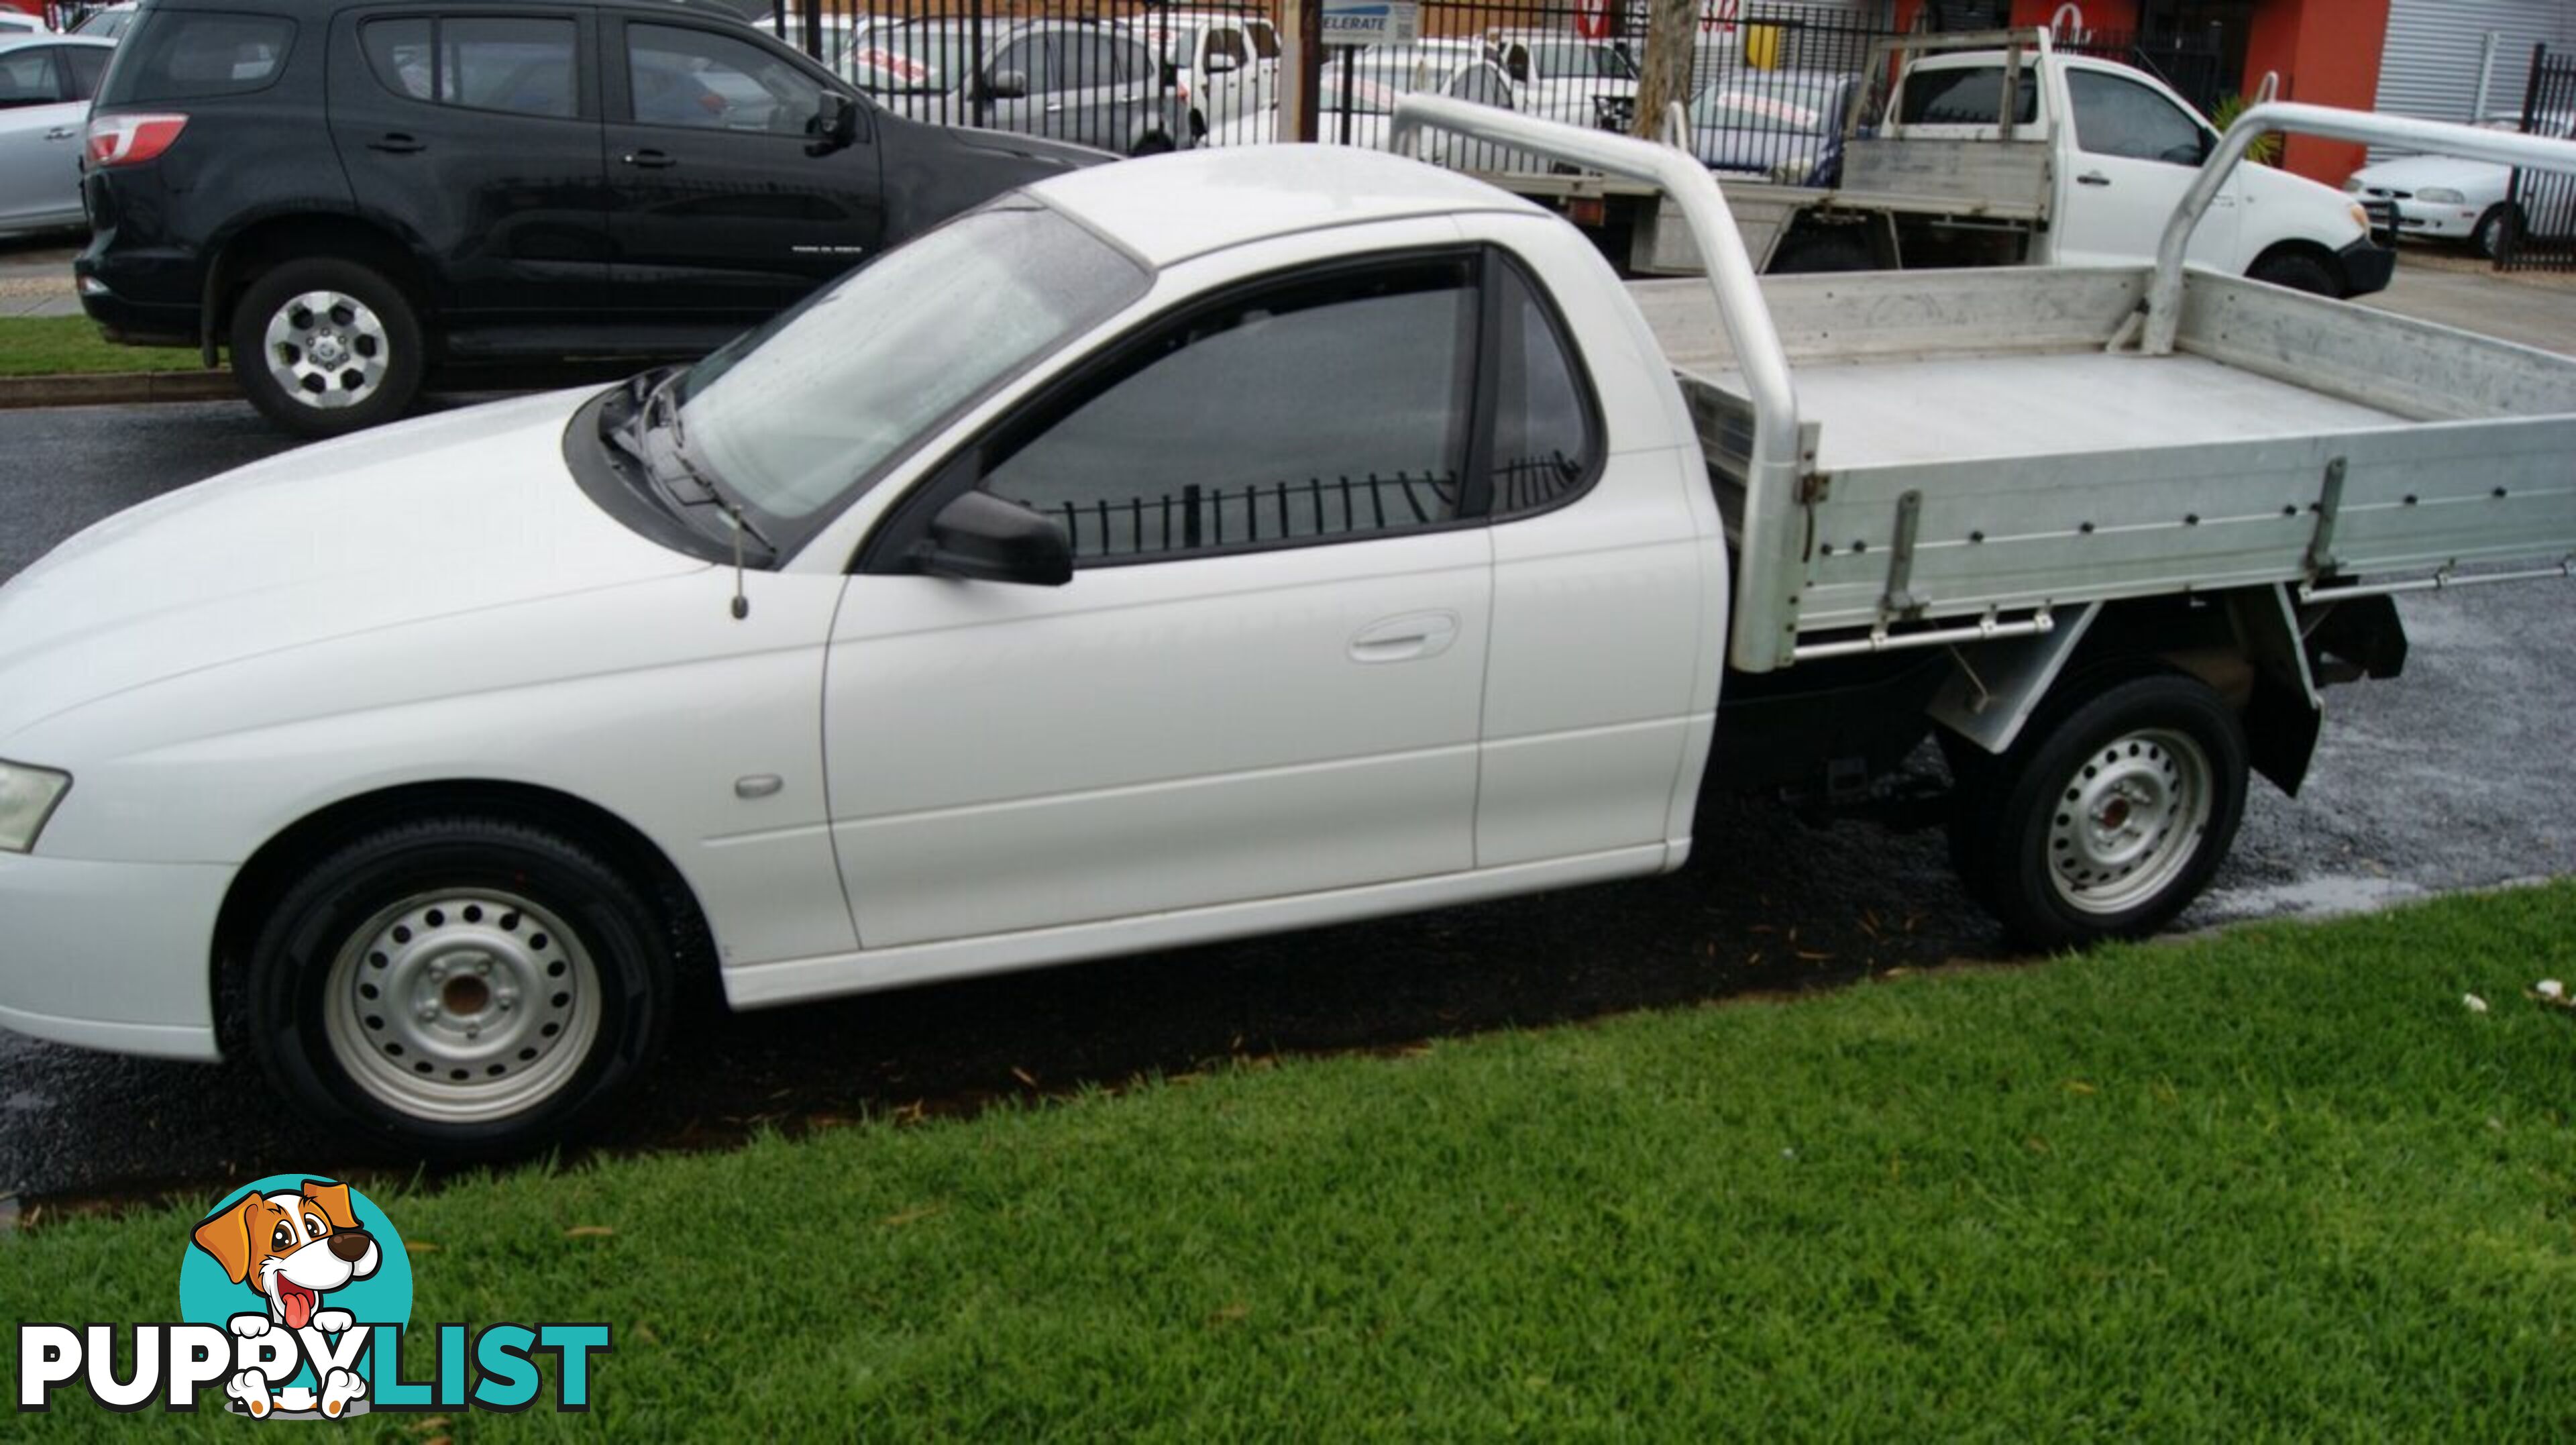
x=293 y=1296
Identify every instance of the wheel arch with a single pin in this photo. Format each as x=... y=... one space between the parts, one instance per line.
x=277 y=863
x=2300 y=247
x=272 y=239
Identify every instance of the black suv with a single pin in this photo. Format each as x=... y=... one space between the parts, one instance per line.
x=353 y=196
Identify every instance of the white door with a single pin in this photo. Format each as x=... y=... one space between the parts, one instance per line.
x=44 y=101
x=2136 y=150
x=1265 y=677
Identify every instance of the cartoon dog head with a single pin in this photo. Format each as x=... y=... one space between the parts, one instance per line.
x=291 y=1249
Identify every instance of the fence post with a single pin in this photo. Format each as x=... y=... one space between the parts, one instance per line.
x=1666 y=80
x=1301 y=79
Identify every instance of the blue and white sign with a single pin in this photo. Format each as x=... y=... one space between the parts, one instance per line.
x=1372 y=22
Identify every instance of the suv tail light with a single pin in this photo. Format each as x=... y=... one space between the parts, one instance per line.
x=130 y=140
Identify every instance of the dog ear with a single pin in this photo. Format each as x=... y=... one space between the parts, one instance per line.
x=227 y=1237
x=334 y=1199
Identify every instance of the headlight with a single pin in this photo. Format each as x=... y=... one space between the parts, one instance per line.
x=27 y=799
x=2441 y=196
x=2360 y=217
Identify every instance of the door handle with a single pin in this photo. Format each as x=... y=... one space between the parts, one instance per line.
x=2092 y=178
x=1055 y=107
x=397 y=143
x=62 y=132
x=1406 y=638
x=650 y=160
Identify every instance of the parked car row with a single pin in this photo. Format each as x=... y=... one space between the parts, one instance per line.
x=2452 y=199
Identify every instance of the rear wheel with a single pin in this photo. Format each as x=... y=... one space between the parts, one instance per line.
x=461 y=986
x=1153 y=145
x=2297 y=271
x=2108 y=816
x=1832 y=248
x=324 y=347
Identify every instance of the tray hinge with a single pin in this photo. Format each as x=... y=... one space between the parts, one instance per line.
x=1900 y=601
x=2321 y=559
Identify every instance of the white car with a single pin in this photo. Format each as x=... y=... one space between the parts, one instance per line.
x=2448 y=198
x=1563 y=76
x=46 y=82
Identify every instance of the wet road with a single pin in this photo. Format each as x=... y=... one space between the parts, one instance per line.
x=2450 y=777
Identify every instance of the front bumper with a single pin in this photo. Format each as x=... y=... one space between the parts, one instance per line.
x=2423 y=218
x=2366 y=267
x=113 y=956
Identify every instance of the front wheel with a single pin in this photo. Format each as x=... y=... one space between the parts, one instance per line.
x=2109 y=816
x=2494 y=231
x=2297 y=271
x=325 y=347
x=461 y=986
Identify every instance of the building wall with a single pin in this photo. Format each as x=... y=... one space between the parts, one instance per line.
x=2327 y=53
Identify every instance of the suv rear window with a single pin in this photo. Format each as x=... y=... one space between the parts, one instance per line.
x=192 y=54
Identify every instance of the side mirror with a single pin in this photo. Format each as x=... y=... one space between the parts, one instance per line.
x=1220 y=63
x=836 y=122
x=982 y=537
x=1006 y=85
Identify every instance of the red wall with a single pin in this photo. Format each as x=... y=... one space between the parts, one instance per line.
x=2327 y=52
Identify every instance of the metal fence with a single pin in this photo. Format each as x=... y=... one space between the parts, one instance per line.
x=2542 y=235
x=1770 y=82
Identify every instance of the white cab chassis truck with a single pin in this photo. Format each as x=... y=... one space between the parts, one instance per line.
x=1106 y=571
x=1992 y=149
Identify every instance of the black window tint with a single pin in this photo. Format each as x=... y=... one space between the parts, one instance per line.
x=1544 y=440
x=82 y=67
x=1265 y=41
x=400 y=53
x=1967 y=97
x=2116 y=117
x=715 y=82
x=1317 y=411
x=193 y=54
x=27 y=77
x=523 y=67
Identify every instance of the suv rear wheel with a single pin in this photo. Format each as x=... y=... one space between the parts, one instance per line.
x=324 y=347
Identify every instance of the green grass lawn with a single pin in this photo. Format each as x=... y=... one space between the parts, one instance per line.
x=2276 y=1185
x=58 y=345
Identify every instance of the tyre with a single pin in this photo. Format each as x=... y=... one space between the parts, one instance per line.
x=1835 y=248
x=460 y=986
x=2108 y=816
x=2493 y=231
x=325 y=347
x=1153 y=145
x=2299 y=272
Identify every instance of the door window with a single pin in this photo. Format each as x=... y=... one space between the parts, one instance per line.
x=1482 y=85
x=191 y=54
x=1265 y=40
x=1029 y=59
x=1089 y=59
x=2117 y=117
x=82 y=67
x=1545 y=436
x=707 y=81
x=1226 y=51
x=1325 y=409
x=27 y=77
x=515 y=66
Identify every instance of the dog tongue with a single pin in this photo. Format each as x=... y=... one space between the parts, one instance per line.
x=298 y=1305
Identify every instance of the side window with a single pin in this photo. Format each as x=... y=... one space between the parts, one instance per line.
x=2116 y=117
x=27 y=77
x=1226 y=50
x=1330 y=409
x=1265 y=40
x=192 y=54
x=1088 y=60
x=82 y=67
x=1967 y=96
x=1029 y=58
x=520 y=67
x=1546 y=443
x=697 y=78
x=403 y=54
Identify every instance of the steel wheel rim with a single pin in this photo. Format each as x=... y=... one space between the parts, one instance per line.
x=462 y=1006
x=327 y=350
x=2129 y=820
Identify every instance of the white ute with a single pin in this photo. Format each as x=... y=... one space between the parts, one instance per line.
x=1108 y=570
